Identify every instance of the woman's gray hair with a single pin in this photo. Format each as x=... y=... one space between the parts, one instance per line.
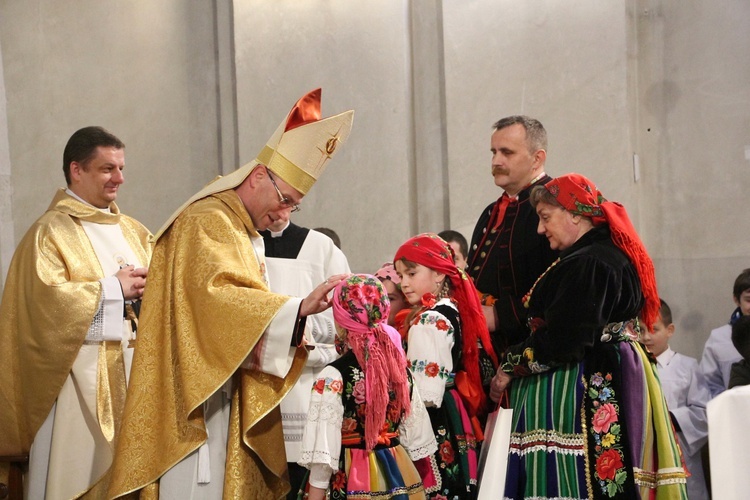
x=540 y=194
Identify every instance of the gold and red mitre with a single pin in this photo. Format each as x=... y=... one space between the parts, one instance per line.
x=298 y=151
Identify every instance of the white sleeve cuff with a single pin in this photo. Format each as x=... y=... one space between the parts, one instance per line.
x=274 y=353
x=113 y=304
x=320 y=475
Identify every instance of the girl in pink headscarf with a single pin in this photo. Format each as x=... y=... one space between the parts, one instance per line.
x=451 y=356
x=392 y=283
x=366 y=423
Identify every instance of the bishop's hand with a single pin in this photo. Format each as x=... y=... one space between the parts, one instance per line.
x=318 y=300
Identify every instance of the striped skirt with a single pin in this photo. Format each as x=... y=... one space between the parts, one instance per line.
x=596 y=429
x=378 y=474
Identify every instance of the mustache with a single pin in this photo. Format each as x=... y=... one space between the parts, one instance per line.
x=499 y=170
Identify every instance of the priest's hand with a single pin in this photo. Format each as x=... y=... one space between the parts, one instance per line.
x=499 y=383
x=318 y=300
x=132 y=281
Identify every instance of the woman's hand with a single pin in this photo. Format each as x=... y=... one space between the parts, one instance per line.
x=498 y=385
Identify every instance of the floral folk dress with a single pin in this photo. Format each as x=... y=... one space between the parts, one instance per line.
x=434 y=352
x=334 y=438
x=590 y=420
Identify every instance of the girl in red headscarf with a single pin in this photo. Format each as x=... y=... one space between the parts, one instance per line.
x=589 y=417
x=451 y=357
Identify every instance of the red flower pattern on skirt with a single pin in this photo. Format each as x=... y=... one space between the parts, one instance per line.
x=446 y=452
x=339 y=481
x=607 y=464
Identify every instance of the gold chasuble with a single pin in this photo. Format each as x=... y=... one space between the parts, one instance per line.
x=205 y=308
x=51 y=295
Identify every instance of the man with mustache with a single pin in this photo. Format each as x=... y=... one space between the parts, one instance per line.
x=506 y=254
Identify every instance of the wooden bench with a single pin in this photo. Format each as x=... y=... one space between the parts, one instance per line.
x=12 y=469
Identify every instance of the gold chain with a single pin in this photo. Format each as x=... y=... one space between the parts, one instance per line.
x=527 y=297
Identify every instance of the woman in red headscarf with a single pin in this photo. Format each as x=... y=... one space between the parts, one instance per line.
x=589 y=417
x=451 y=357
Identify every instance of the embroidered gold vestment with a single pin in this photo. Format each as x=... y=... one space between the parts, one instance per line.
x=51 y=295
x=205 y=308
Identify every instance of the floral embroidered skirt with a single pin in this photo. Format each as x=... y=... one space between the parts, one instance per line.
x=596 y=429
x=452 y=471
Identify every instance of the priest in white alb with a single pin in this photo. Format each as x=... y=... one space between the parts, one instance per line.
x=66 y=326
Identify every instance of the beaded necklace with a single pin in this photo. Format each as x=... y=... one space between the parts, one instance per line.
x=527 y=298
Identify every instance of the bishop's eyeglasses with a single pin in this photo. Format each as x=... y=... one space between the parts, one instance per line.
x=285 y=201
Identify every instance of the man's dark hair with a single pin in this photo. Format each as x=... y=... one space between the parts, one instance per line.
x=666 y=313
x=450 y=235
x=741 y=284
x=82 y=145
x=536 y=136
x=331 y=234
x=741 y=336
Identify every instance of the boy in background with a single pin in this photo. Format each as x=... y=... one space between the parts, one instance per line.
x=459 y=245
x=740 y=373
x=686 y=394
x=719 y=354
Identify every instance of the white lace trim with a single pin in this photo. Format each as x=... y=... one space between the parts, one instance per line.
x=435 y=398
x=326 y=334
x=327 y=353
x=321 y=441
x=318 y=457
x=325 y=411
x=422 y=452
x=546 y=440
x=96 y=329
x=436 y=474
x=418 y=420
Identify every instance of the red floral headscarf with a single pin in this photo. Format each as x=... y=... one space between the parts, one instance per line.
x=430 y=250
x=361 y=306
x=580 y=196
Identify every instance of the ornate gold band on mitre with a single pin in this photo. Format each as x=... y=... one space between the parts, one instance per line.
x=291 y=173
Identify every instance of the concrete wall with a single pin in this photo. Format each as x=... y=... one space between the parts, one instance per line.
x=286 y=48
x=7 y=238
x=144 y=70
x=196 y=88
x=693 y=99
x=566 y=66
